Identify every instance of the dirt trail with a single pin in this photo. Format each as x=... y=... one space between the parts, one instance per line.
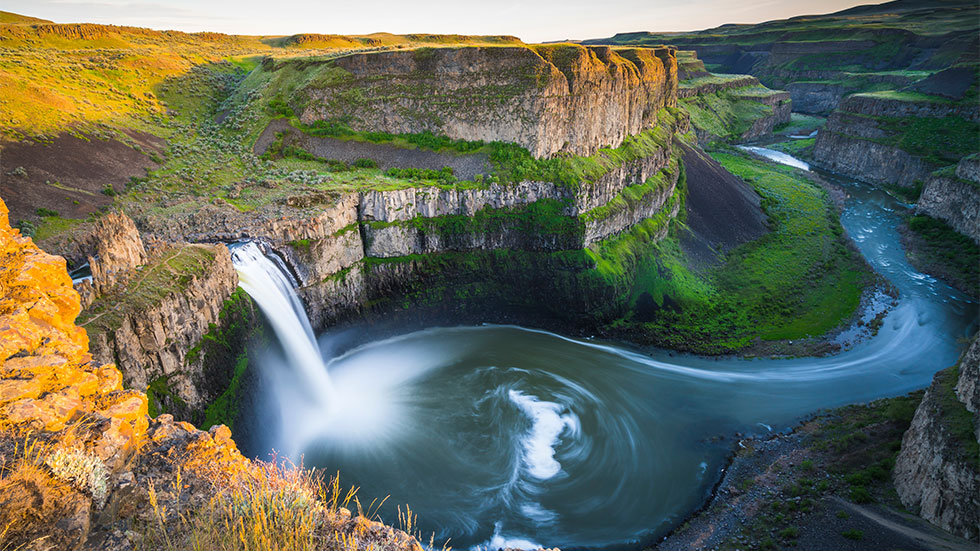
x=905 y=525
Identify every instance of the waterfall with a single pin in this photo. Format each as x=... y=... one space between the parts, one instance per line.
x=271 y=288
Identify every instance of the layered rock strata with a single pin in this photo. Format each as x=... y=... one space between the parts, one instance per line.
x=954 y=197
x=861 y=139
x=549 y=98
x=149 y=334
x=937 y=472
x=58 y=402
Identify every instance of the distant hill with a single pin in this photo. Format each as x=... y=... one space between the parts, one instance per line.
x=821 y=58
x=8 y=18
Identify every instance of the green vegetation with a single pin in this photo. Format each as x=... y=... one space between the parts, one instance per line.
x=801 y=279
x=224 y=409
x=170 y=272
x=543 y=220
x=160 y=398
x=79 y=77
x=937 y=248
x=513 y=163
x=800 y=124
x=938 y=140
x=852 y=450
x=50 y=226
x=955 y=418
x=632 y=196
x=797 y=148
x=725 y=115
x=224 y=356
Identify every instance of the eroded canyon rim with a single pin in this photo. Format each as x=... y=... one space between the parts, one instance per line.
x=365 y=187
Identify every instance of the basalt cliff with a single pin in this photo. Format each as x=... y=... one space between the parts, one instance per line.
x=85 y=467
x=548 y=99
x=937 y=473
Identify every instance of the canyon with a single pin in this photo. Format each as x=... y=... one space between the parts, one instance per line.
x=399 y=186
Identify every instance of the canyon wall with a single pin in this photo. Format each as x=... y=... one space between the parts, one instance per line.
x=548 y=98
x=953 y=196
x=733 y=108
x=100 y=469
x=149 y=312
x=884 y=140
x=937 y=472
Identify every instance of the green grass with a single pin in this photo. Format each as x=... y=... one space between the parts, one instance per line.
x=797 y=148
x=941 y=245
x=724 y=115
x=54 y=225
x=799 y=123
x=170 y=273
x=904 y=95
x=799 y=280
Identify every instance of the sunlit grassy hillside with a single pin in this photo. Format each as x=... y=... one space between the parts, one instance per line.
x=55 y=77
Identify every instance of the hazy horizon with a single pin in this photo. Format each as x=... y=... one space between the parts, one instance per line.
x=567 y=19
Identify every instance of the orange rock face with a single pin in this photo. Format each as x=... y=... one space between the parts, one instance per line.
x=48 y=380
x=50 y=384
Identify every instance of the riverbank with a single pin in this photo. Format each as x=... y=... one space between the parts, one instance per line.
x=826 y=484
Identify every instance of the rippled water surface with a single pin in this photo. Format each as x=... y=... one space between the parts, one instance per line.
x=502 y=436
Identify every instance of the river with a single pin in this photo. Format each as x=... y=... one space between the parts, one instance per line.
x=500 y=436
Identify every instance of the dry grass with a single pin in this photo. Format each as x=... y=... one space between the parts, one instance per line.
x=282 y=507
x=44 y=479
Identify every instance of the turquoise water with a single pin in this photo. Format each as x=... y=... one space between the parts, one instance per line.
x=500 y=436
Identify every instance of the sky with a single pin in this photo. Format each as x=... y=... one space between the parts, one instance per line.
x=532 y=21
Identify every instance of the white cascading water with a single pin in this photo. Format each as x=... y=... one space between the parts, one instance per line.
x=272 y=290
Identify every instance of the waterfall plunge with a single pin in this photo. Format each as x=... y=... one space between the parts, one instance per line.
x=339 y=402
x=271 y=289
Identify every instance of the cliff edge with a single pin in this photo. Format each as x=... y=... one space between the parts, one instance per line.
x=85 y=467
x=549 y=98
x=937 y=472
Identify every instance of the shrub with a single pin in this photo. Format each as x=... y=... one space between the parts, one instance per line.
x=365 y=163
x=789 y=533
x=85 y=472
x=277 y=106
x=853 y=534
x=860 y=494
x=42 y=212
x=445 y=175
x=26 y=227
x=330 y=129
x=108 y=190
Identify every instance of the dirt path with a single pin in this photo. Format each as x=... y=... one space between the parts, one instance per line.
x=906 y=526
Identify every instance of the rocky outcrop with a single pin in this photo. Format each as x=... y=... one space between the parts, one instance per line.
x=406 y=204
x=859 y=143
x=549 y=98
x=149 y=332
x=816 y=98
x=968 y=385
x=710 y=84
x=118 y=248
x=867 y=160
x=937 y=472
x=99 y=468
x=153 y=340
x=954 y=197
x=782 y=108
